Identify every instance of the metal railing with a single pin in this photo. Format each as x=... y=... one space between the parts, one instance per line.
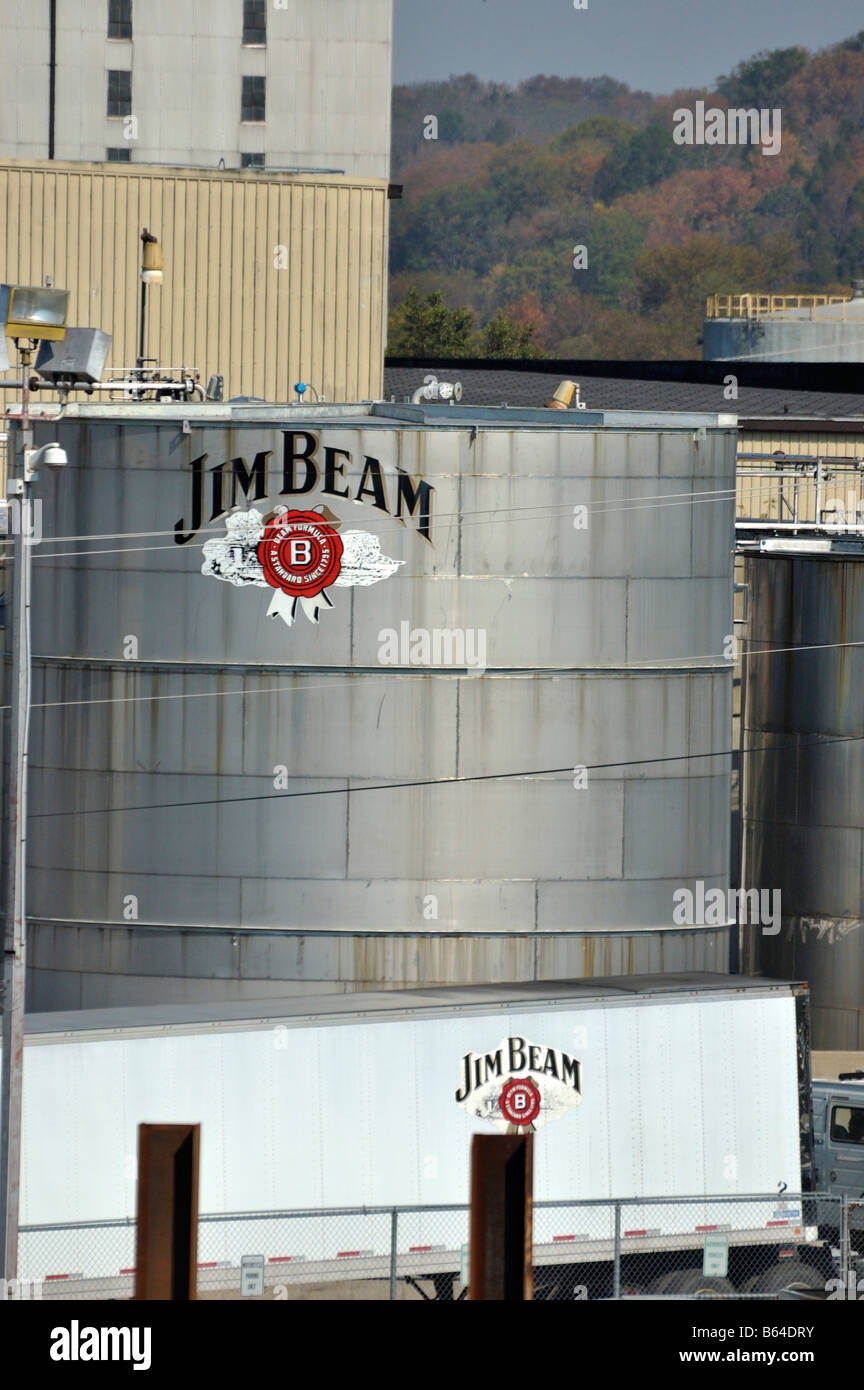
x=595 y=1249
x=800 y=492
x=752 y=306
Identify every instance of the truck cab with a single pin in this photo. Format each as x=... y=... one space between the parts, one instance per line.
x=838 y=1140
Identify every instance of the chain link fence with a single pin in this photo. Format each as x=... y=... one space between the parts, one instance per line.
x=720 y=1246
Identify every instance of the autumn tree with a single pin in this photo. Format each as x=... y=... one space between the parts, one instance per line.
x=686 y=275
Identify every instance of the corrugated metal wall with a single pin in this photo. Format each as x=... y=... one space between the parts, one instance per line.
x=224 y=306
x=802 y=442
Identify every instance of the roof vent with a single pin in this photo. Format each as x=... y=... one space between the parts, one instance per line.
x=563 y=395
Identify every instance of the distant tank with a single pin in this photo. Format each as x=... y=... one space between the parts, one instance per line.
x=271 y=639
x=785 y=328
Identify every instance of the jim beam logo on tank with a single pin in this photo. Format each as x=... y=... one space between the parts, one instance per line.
x=299 y=553
x=520 y=1085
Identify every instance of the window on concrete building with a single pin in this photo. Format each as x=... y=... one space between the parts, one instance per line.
x=251 y=161
x=255 y=21
x=119 y=156
x=119 y=19
x=119 y=93
x=253 y=99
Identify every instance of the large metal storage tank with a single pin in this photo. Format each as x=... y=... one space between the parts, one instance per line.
x=803 y=777
x=224 y=806
x=817 y=332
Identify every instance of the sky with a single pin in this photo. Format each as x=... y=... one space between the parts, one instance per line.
x=653 y=46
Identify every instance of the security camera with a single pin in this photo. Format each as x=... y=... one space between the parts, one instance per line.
x=52 y=456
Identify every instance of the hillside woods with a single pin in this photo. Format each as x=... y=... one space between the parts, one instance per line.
x=484 y=239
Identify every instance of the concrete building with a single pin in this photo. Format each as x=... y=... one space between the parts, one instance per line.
x=226 y=806
x=296 y=84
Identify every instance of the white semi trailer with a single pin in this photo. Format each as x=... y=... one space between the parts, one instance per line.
x=648 y=1087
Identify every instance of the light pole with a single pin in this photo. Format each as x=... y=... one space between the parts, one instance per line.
x=14 y=936
x=28 y=315
x=19 y=488
x=152 y=265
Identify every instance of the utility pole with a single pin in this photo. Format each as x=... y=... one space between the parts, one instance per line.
x=15 y=925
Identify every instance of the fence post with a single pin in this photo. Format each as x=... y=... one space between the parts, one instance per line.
x=616 y=1259
x=500 y=1234
x=844 y=1243
x=166 y=1258
x=394 y=1218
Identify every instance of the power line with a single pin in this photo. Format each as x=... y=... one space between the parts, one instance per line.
x=548 y=512
x=476 y=511
x=436 y=781
x=551 y=672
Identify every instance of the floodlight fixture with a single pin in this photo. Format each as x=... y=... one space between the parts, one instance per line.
x=33 y=311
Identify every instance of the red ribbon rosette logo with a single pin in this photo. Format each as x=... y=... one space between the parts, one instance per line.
x=520 y=1100
x=300 y=554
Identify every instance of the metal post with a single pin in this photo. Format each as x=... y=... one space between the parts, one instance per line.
x=616 y=1259
x=845 y=1263
x=143 y=322
x=394 y=1218
x=501 y=1244
x=166 y=1262
x=818 y=492
x=15 y=925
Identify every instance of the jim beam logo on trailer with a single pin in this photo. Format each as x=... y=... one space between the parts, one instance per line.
x=520 y=1086
x=299 y=553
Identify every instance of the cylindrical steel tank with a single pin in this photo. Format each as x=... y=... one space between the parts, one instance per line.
x=803 y=778
x=224 y=805
x=824 y=333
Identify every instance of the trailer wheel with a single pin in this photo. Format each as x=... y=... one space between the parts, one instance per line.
x=794 y=1274
x=630 y=1289
x=694 y=1281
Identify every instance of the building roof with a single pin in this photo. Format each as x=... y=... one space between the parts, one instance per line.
x=375 y=415
x=494 y=385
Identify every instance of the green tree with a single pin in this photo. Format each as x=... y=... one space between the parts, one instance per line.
x=614 y=240
x=452 y=228
x=522 y=180
x=499 y=132
x=451 y=127
x=607 y=129
x=641 y=160
x=424 y=326
x=761 y=80
x=506 y=337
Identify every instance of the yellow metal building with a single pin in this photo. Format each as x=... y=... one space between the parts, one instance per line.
x=269 y=278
